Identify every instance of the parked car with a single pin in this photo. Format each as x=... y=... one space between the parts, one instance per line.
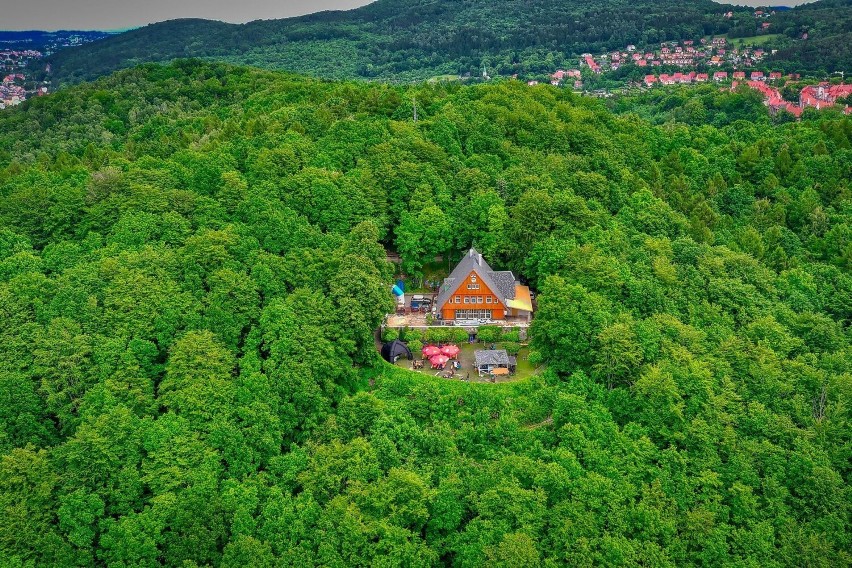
x=419 y=301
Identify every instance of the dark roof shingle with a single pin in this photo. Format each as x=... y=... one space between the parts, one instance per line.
x=491 y=357
x=502 y=283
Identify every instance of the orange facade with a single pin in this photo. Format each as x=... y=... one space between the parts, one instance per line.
x=472 y=299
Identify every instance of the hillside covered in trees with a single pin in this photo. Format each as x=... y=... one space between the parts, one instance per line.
x=191 y=270
x=404 y=40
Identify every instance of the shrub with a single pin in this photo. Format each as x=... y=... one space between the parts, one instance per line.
x=513 y=336
x=488 y=333
x=415 y=345
x=389 y=334
x=535 y=358
x=511 y=347
x=437 y=334
x=412 y=335
x=458 y=335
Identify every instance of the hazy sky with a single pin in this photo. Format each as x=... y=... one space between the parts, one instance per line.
x=119 y=14
x=765 y=2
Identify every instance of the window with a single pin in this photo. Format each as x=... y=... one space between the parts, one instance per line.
x=479 y=299
x=473 y=314
x=458 y=299
x=466 y=300
x=488 y=299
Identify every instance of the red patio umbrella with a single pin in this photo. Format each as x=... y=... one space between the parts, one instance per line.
x=450 y=350
x=431 y=350
x=439 y=360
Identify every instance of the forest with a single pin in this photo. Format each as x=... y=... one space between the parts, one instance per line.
x=407 y=40
x=193 y=264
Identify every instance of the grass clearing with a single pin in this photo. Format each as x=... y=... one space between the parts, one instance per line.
x=754 y=40
x=523 y=371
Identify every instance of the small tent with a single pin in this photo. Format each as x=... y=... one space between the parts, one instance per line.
x=393 y=350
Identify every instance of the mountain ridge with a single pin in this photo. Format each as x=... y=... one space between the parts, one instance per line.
x=404 y=40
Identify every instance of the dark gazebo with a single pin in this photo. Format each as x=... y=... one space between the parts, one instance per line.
x=393 y=350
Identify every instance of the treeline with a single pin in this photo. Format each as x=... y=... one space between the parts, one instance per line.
x=404 y=40
x=192 y=270
x=828 y=27
x=399 y=40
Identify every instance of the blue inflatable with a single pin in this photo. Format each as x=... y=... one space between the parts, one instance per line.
x=396 y=291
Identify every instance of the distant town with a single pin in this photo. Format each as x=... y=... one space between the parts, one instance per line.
x=14 y=89
x=20 y=53
x=697 y=62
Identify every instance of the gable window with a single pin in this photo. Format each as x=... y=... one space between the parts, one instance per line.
x=458 y=299
x=466 y=300
x=488 y=299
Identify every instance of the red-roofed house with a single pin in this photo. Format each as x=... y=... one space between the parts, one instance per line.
x=650 y=80
x=774 y=75
x=701 y=77
x=823 y=95
x=590 y=61
x=720 y=76
x=757 y=76
x=739 y=74
x=794 y=110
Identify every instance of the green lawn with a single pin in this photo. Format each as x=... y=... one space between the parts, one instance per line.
x=754 y=40
x=438 y=78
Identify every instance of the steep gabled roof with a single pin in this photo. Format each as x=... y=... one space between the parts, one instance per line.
x=501 y=283
x=505 y=282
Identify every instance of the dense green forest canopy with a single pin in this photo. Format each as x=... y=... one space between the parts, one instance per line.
x=409 y=39
x=191 y=270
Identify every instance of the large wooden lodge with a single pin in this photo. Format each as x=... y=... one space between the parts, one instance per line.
x=473 y=293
